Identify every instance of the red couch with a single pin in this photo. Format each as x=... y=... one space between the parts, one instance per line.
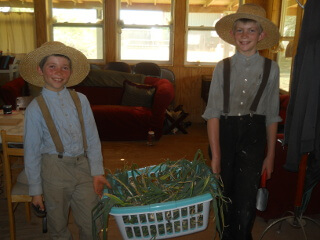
x=114 y=121
x=282 y=185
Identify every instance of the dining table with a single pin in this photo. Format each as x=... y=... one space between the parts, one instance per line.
x=13 y=123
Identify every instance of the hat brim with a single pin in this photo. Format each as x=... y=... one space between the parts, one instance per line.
x=225 y=25
x=29 y=65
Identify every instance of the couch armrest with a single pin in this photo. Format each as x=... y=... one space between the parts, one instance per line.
x=163 y=97
x=11 y=90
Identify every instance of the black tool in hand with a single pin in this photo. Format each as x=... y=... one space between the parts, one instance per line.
x=263 y=193
x=42 y=214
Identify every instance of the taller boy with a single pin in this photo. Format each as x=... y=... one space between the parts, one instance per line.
x=242 y=114
x=63 y=158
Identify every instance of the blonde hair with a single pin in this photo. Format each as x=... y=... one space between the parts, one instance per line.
x=247 y=20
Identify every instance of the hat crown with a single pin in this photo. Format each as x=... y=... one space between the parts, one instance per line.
x=252 y=9
x=252 y=12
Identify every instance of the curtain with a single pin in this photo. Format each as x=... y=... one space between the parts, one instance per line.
x=17 y=33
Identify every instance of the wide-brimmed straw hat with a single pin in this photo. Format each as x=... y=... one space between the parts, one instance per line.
x=254 y=12
x=29 y=64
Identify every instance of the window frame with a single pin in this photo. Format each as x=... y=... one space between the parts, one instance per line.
x=121 y=26
x=100 y=25
x=285 y=38
x=198 y=28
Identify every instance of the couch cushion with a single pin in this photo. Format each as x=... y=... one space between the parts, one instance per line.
x=139 y=95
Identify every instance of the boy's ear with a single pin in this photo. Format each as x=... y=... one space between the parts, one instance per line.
x=262 y=35
x=39 y=70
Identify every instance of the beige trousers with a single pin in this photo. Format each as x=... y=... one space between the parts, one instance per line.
x=67 y=183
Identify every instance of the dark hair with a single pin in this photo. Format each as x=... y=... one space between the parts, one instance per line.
x=44 y=60
x=247 y=20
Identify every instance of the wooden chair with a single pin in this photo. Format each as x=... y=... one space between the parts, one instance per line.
x=16 y=192
x=147 y=68
x=168 y=74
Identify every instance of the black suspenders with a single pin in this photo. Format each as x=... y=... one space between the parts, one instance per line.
x=226 y=85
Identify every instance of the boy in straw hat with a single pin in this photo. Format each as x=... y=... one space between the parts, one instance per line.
x=242 y=114
x=62 y=149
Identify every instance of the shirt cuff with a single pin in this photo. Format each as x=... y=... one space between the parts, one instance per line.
x=35 y=189
x=97 y=169
x=211 y=113
x=273 y=120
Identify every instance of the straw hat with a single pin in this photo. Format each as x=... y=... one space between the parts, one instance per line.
x=254 y=12
x=29 y=64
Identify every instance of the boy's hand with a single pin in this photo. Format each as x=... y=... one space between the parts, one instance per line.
x=98 y=184
x=38 y=201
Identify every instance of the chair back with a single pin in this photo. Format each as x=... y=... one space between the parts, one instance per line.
x=118 y=66
x=147 y=68
x=23 y=102
x=16 y=191
x=168 y=74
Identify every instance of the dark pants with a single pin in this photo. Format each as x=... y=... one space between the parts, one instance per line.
x=242 y=143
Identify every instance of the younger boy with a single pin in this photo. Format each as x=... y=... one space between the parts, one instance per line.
x=63 y=159
x=242 y=115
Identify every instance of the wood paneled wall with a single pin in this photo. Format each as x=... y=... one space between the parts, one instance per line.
x=188 y=78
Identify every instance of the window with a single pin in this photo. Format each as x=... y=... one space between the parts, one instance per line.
x=79 y=24
x=287 y=32
x=204 y=47
x=145 y=31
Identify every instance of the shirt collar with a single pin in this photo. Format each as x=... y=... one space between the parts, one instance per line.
x=52 y=94
x=243 y=58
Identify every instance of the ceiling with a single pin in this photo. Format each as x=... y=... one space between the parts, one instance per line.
x=204 y=3
x=218 y=5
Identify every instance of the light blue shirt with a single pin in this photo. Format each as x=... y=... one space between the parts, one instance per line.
x=245 y=79
x=38 y=141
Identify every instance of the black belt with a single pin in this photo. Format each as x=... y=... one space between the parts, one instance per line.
x=247 y=117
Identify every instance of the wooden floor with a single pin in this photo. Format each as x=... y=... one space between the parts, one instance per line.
x=172 y=147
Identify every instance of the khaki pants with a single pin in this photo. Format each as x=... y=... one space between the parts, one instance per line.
x=67 y=183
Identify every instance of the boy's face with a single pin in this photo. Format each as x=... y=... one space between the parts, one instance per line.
x=246 y=36
x=56 y=73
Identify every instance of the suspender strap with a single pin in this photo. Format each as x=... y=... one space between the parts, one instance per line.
x=77 y=102
x=50 y=124
x=52 y=128
x=226 y=85
x=266 y=73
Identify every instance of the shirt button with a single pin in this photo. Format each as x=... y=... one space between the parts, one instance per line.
x=243 y=91
x=241 y=103
x=246 y=80
x=239 y=114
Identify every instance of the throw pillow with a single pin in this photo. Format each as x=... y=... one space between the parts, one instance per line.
x=138 y=95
